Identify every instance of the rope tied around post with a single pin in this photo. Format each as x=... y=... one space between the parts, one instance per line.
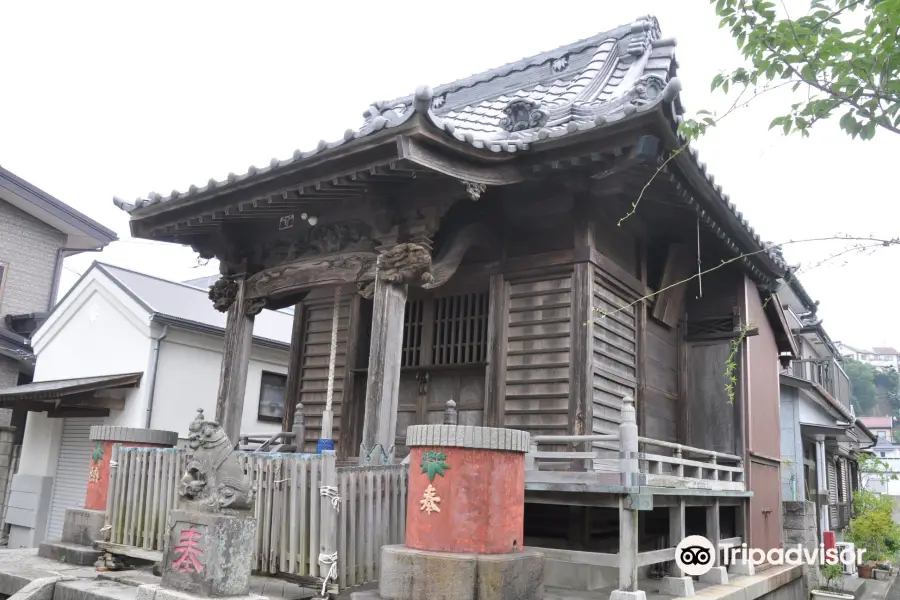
x=329 y=560
x=325 y=440
x=329 y=491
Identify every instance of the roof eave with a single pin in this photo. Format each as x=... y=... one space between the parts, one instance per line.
x=717 y=205
x=53 y=208
x=213 y=330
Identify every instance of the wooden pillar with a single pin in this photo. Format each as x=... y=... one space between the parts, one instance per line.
x=383 y=384
x=677 y=531
x=581 y=372
x=352 y=407
x=495 y=371
x=295 y=371
x=713 y=529
x=628 y=518
x=235 y=360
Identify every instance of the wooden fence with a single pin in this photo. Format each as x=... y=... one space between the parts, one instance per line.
x=293 y=526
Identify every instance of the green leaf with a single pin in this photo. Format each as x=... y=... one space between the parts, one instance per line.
x=433 y=463
x=97 y=454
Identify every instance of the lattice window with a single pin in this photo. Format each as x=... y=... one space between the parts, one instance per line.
x=461 y=329
x=450 y=330
x=412 y=333
x=699 y=327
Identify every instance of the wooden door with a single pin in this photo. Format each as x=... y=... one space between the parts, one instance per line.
x=444 y=354
x=765 y=505
x=711 y=420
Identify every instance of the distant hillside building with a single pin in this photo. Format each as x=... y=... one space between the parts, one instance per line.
x=882 y=357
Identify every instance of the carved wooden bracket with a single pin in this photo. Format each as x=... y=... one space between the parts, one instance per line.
x=309 y=273
x=443 y=268
x=401 y=264
x=222 y=293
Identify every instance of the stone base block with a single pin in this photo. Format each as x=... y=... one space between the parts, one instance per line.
x=70 y=554
x=82 y=526
x=518 y=576
x=677 y=586
x=577 y=576
x=208 y=555
x=742 y=567
x=623 y=595
x=715 y=576
x=39 y=589
x=158 y=592
x=408 y=574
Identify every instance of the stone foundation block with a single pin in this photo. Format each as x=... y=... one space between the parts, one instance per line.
x=742 y=567
x=577 y=576
x=715 y=576
x=622 y=595
x=208 y=555
x=408 y=574
x=70 y=554
x=677 y=586
x=157 y=592
x=82 y=526
x=518 y=576
x=39 y=589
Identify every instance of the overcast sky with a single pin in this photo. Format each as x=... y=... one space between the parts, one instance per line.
x=123 y=98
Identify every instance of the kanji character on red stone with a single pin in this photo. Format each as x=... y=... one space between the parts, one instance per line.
x=189 y=552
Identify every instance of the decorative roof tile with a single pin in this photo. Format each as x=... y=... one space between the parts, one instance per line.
x=592 y=83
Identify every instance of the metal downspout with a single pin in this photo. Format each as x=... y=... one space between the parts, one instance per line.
x=154 y=367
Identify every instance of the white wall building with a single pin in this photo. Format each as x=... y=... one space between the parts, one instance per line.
x=882 y=357
x=123 y=348
x=888 y=452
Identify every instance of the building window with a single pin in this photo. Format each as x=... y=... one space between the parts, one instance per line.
x=882 y=455
x=449 y=330
x=881 y=435
x=271 y=397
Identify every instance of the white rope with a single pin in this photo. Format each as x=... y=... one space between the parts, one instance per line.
x=331 y=359
x=329 y=559
x=329 y=491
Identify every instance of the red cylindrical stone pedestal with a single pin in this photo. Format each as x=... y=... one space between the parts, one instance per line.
x=104 y=437
x=466 y=489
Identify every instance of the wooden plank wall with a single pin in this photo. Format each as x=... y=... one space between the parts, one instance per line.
x=661 y=378
x=615 y=351
x=537 y=362
x=314 y=364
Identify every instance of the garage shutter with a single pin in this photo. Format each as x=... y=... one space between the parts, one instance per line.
x=70 y=484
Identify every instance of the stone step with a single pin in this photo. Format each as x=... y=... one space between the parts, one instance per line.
x=71 y=554
x=93 y=589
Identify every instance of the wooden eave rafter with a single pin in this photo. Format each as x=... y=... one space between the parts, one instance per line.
x=350 y=173
x=713 y=211
x=783 y=335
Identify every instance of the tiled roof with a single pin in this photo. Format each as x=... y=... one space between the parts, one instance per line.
x=877 y=422
x=188 y=304
x=594 y=82
x=599 y=80
x=884 y=350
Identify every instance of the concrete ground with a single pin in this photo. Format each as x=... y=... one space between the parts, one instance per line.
x=18 y=568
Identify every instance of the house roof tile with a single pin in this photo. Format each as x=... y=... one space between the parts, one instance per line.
x=187 y=304
x=612 y=76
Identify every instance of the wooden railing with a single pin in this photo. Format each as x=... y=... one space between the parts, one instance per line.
x=283 y=441
x=295 y=509
x=826 y=372
x=687 y=467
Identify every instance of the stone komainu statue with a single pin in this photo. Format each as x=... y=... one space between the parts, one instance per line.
x=213 y=476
